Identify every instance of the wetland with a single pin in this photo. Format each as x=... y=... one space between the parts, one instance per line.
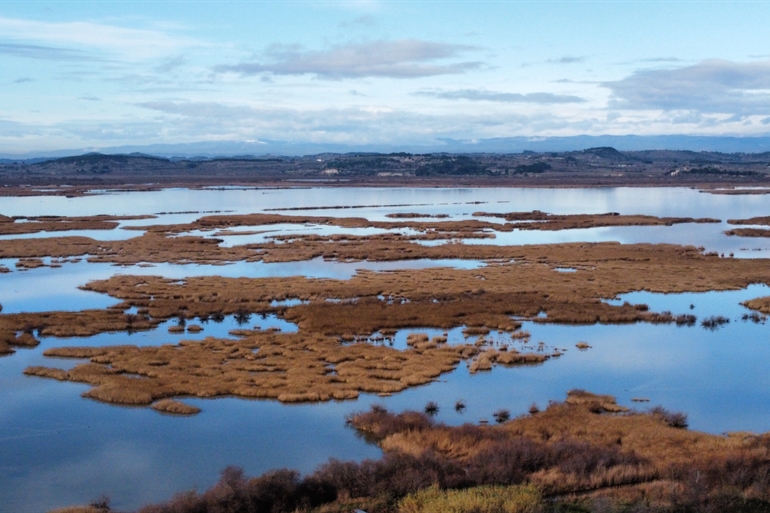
x=151 y=338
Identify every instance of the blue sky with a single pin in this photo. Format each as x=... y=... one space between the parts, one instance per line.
x=91 y=74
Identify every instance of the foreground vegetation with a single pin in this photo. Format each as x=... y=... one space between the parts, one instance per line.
x=586 y=454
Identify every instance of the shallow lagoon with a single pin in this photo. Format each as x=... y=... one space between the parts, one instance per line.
x=60 y=449
x=173 y=206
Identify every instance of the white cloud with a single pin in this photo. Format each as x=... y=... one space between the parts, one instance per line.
x=711 y=86
x=31 y=51
x=364 y=124
x=403 y=58
x=69 y=37
x=502 y=97
x=567 y=59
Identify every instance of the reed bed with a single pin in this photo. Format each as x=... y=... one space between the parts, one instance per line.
x=37 y=224
x=761 y=304
x=480 y=499
x=18 y=329
x=537 y=220
x=752 y=220
x=162 y=243
x=748 y=232
x=519 y=282
x=295 y=367
x=288 y=367
x=175 y=407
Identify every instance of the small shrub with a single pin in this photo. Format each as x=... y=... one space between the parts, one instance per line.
x=378 y=408
x=534 y=410
x=460 y=406
x=674 y=419
x=507 y=462
x=754 y=317
x=101 y=504
x=685 y=320
x=502 y=415
x=714 y=322
x=380 y=423
x=242 y=317
x=431 y=408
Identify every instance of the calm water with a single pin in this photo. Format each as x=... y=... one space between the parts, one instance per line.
x=59 y=449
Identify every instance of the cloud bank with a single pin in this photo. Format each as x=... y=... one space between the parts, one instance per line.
x=711 y=86
x=494 y=96
x=32 y=51
x=403 y=58
x=62 y=40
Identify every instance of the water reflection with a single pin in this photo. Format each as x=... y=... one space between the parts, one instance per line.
x=45 y=288
x=80 y=448
x=671 y=202
x=458 y=203
x=59 y=449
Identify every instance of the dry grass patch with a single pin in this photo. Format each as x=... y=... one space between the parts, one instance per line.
x=162 y=243
x=486 y=359
x=295 y=367
x=537 y=220
x=37 y=224
x=29 y=263
x=480 y=499
x=752 y=220
x=17 y=329
x=761 y=304
x=594 y=403
x=264 y=364
x=5 y=348
x=519 y=282
x=175 y=407
x=749 y=232
x=576 y=447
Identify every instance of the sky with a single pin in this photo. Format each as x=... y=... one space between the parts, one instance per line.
x=95 y=74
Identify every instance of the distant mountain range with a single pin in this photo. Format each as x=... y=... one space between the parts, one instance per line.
x=500 y=145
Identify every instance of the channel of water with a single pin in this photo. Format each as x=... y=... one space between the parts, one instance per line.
x=57 y=448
